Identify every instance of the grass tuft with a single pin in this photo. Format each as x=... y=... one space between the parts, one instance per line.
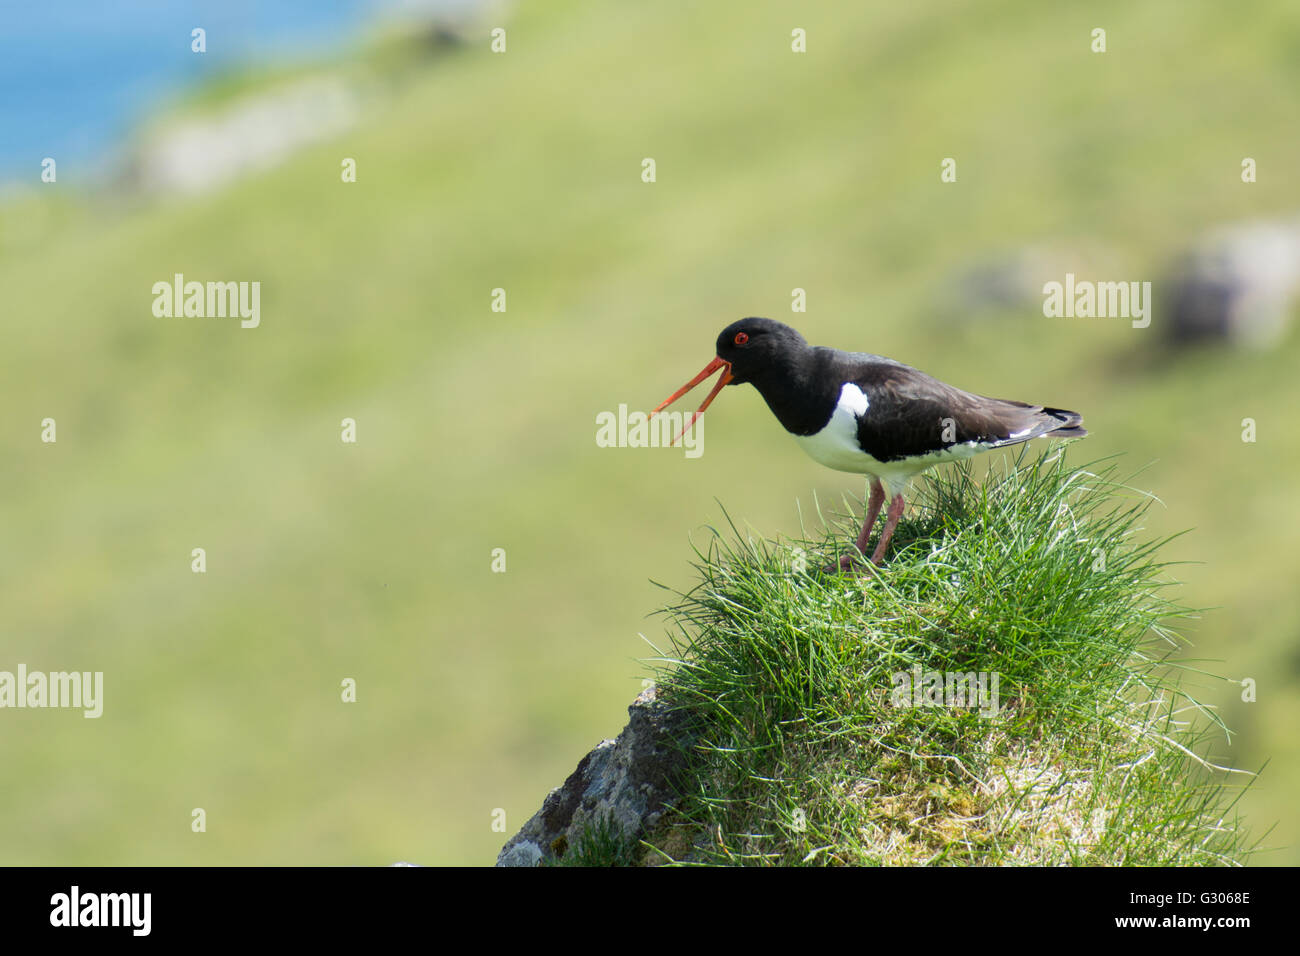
x=602 y=843
x=1038 y=574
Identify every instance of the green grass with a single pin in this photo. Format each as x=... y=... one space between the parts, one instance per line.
x=602 y=843
x=1040 y=574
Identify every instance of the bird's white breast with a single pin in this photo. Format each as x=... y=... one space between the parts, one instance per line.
x=836 y=445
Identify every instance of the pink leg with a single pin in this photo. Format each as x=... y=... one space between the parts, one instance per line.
x=873 y=510
x=891 y=522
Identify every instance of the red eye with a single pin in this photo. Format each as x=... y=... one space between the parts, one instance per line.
x=741 y=338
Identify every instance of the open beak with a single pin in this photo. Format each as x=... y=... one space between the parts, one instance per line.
x=709 y=369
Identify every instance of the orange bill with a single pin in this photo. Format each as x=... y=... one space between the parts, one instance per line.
x=709 y=369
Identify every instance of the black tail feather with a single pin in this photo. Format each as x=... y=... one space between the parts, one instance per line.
x=1071 y=424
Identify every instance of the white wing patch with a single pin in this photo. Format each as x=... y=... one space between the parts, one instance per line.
x=852 y=400
x=836 y=446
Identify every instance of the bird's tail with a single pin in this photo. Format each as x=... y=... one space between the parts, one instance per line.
x=1071 y=424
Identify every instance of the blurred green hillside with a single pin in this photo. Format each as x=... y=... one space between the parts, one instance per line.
x=476 y=429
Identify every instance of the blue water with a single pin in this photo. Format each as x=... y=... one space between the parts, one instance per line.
x=77 y=75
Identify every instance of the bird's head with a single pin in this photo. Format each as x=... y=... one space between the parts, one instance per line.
x=752 y=347
x=746 y=351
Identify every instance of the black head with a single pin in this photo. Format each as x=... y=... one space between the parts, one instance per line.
x=756 y=348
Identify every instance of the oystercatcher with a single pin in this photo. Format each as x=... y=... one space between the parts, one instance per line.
x=868 y=414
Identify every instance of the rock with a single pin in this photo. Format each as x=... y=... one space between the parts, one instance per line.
x=202 y=153
x=626 y=783
x=1236 y=284
x=1012 y=280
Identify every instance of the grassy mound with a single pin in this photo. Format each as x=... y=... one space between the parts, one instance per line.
x=813 y=746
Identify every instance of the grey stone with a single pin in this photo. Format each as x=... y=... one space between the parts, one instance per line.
x=628 y=781
x=1236 y=284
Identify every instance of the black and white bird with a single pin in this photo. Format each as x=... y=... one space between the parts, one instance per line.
x=867 y=414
